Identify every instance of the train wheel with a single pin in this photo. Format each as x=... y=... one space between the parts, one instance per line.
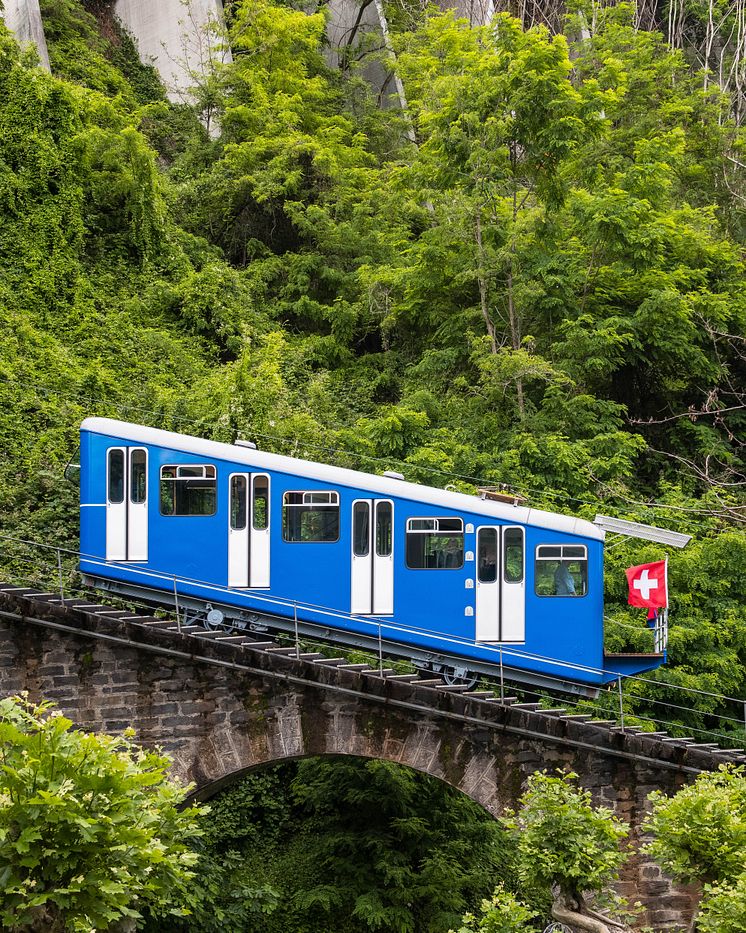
x=453 y=679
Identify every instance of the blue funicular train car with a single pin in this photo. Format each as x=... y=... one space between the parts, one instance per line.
x=459 y=584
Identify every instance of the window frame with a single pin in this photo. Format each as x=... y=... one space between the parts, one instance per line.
x=122 y=451
x=265 y=479
x=205 y=467
x=132 y=465
x=434 y=529
x=506 y=530
x=561 y=557
x=307 y=502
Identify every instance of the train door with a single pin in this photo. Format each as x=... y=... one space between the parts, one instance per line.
x=127 y=503
x=500 y=585
x=372 y=557
x=248 y=530
x=513 y=586
x=488 y=585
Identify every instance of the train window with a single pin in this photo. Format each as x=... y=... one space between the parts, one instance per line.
x=238 y=503
x=384 y=523
x=116 y=477
x=310 y=517
x=513 y=555
x=361 y=529
x=138 y=476
x=435 y=543
x=261 y=503
x=188 y=489
x=561 y=570
x=487 y=555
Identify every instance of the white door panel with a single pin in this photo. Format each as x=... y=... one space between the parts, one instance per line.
x=513 y=599
x=116 y=503
x=259 y=542
x=238 y=530
x=127 y=503
x=372 y=581
x=137 y=510
x=383 y=558
x=488 y=585
x=361 y=601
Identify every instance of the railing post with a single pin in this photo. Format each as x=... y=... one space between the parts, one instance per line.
x=380 y=651
x=176 y=606
x=621 y=704
x=295 y=621
x=502 y=681
x=59 y=573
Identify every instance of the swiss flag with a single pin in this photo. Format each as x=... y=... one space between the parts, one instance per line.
x=648 y=585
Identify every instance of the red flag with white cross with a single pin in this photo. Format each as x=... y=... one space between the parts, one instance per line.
x=648 y=585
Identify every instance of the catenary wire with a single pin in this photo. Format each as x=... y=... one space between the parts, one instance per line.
x=338 y=451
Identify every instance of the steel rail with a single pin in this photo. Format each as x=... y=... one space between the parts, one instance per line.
x=348 y=691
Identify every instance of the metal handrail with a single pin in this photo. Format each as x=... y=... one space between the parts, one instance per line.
x=375 y=623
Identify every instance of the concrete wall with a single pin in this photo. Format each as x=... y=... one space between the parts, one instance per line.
x=23 y=18
x=176 y=37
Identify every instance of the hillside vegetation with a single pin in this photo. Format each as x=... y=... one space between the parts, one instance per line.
x=534 y=276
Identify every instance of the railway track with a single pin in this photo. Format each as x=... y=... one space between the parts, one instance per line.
x=35 y=605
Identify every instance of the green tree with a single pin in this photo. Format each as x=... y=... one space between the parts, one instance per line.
x=569 y=848
x=91 y=828
x=699 y=835
x=502 y=913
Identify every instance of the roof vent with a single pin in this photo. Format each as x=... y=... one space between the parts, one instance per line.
x=500 y=494
x=241 y=443
x=392 y=474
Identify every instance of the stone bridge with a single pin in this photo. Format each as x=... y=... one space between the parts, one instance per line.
x=222 y=706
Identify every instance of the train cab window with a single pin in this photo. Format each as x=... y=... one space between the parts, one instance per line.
x=138 y=476
x=310 y=517
x=561 y=570
x=188 y=489
x=260 y=514
x=238 y=503
x=513 y=555
x=115 y=491
x=435 y=543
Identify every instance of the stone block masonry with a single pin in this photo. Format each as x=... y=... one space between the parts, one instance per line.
x=220 y=709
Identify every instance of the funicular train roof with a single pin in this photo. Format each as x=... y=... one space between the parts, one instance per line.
x=357 y=479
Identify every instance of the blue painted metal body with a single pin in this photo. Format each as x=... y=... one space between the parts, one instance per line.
x=564 y=635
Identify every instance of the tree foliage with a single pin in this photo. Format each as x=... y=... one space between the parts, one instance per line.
x=569 y=848
x=91 y=830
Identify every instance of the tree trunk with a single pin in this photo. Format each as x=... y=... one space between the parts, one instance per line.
x=566 y=909
x=482 y=280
